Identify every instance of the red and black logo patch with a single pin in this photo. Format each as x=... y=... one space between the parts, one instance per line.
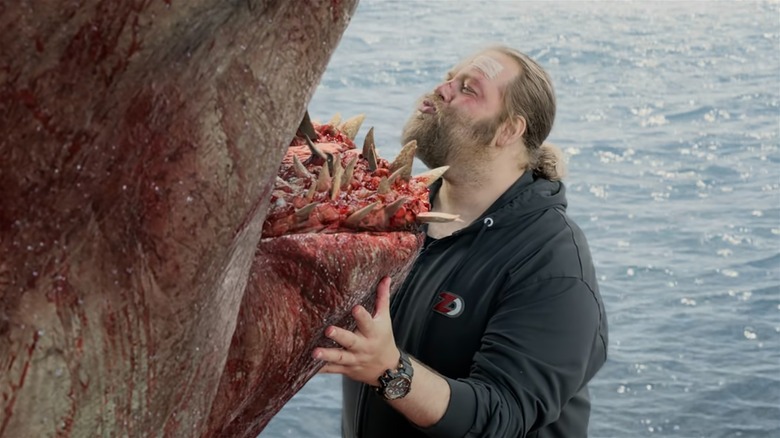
x=449 y=304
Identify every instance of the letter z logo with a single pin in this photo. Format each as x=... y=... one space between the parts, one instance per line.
x=449 y=304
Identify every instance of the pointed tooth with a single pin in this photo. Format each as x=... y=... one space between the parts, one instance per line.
x=430 y=216
x=338 y=172
x=369 y=150
x=306 y=128
x=335 y=120
x=303 y=213
x=399 y=173
x=355 y=218
x=311 y=192
x=384 y=186
x=323 y=179
x=351 y=127
x=313 y=149
x=393 y=207
x=432 y=175
x=282 y=183
x=350 y=169
x=299 y=168
x=386 y=183
x=335 y=160
x=405 y=158
x=335 y=188
x=329 y=159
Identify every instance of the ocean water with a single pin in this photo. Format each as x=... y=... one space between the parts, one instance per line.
x=670 y=115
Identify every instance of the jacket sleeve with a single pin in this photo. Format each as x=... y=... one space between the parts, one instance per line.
x=542 y=344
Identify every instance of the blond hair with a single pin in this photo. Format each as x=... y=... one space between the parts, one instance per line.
x=550 y=162
x=531 y=96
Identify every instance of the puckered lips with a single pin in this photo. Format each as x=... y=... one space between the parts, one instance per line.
x=427 y=107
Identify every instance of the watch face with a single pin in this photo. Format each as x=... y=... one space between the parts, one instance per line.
x=397 y=387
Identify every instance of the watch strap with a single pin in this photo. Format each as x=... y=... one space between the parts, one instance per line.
x=403 y=371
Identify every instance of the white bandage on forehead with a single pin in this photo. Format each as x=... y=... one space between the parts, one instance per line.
x=487 y=65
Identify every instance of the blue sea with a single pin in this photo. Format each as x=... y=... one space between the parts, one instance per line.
x=669 y=112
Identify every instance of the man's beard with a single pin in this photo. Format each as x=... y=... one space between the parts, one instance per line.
x=447 y=136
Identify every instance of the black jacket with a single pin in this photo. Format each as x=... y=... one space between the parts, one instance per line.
x=508 y=311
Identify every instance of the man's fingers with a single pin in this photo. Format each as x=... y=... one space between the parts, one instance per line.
x=345 y=338
x=365 y=323
x=383 y=297
x=334 y=356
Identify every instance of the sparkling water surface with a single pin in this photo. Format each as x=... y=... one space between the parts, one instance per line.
x=670 y=115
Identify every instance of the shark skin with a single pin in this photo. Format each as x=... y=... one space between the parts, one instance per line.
x=139 y=143
x=318 y=279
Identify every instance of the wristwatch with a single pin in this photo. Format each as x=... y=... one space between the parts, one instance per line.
x=395 y=384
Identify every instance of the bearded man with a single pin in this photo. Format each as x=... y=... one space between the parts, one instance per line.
x=500 y=326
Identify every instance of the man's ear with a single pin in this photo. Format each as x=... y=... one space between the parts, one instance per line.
x=511 y=131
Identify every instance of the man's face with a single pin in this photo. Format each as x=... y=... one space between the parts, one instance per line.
x=459 y=120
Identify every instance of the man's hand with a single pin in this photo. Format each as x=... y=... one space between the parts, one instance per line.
x=368 y=351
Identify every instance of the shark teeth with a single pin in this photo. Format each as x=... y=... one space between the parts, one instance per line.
x=303 y=213
x=355 y=218
x=405 y=159
x=385 y=184
x=349 y=170
x=315 y=153
x=351 y=127
x=369 y=150
x=338 y=172
x=323 y=180
x=437 y=217
x=320 y=193
x=335 y=120
x=300 y=169
x=393 y=207
x=432 y=175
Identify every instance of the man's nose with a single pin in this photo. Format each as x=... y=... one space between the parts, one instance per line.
x=445 y=91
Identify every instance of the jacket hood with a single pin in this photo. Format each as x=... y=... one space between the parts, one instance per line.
x=529 y=194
